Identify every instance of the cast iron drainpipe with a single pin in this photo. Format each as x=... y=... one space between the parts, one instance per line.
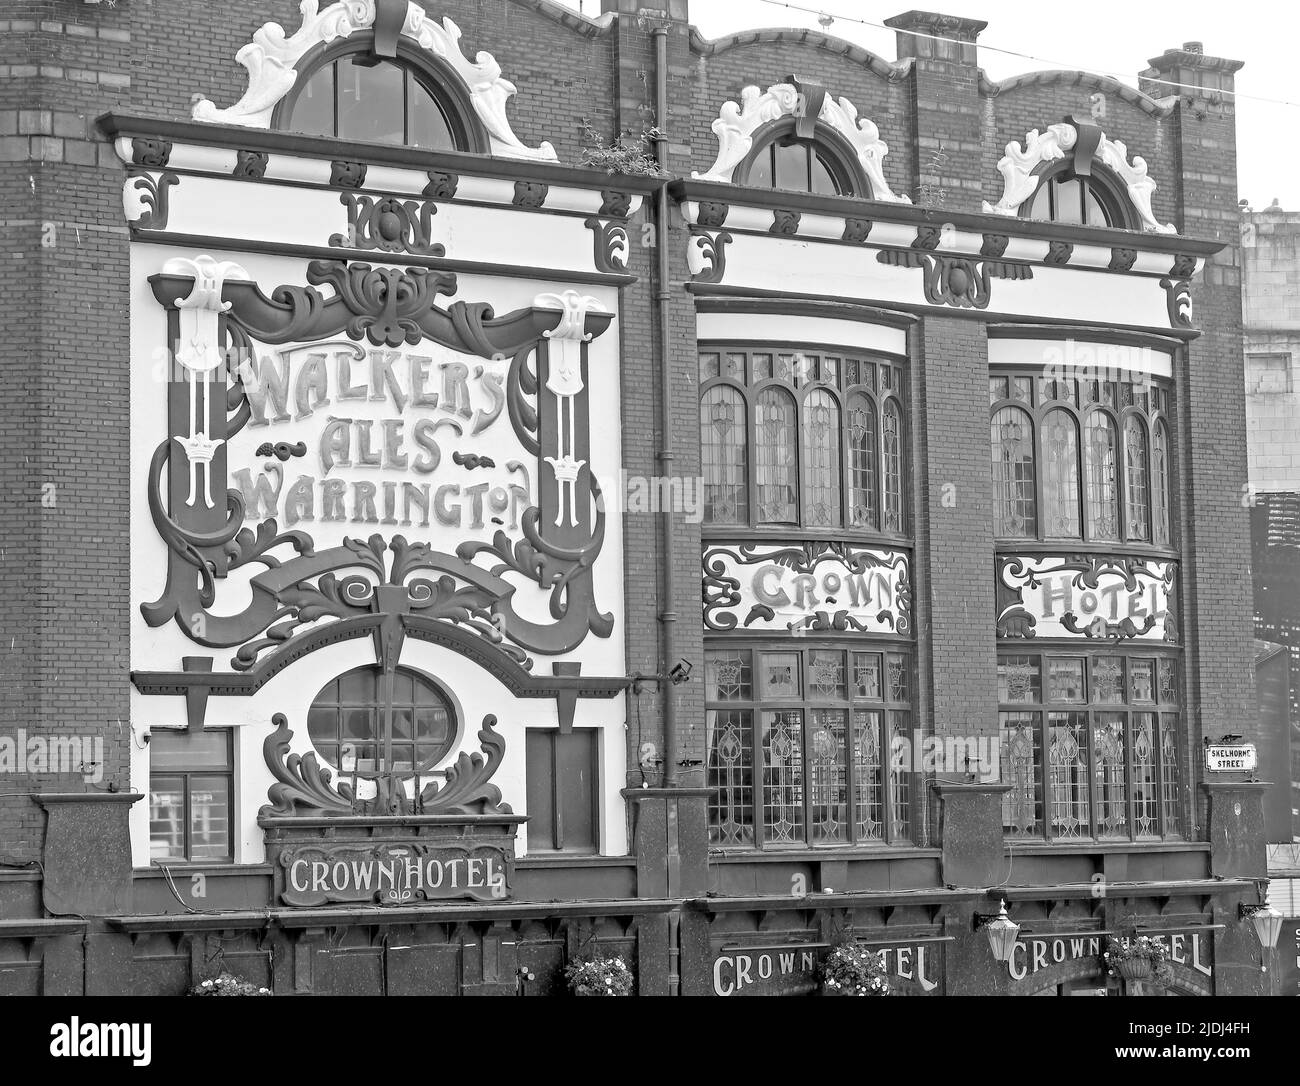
x=667 y=616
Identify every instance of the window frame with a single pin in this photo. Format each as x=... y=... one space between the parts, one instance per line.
x=1106 y=188
x=437 y=77
x=193 y=769
x=1092 y=710
x=837 y=155
x=382 y=710
x=1160 y=390
x=843 y=394
x=899 y=818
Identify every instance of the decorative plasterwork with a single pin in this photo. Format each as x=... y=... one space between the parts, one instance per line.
x=1020 y=182
x=271 y=59
x=736 y=125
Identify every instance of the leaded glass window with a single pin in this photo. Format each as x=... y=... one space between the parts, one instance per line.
x=1102 y=472
x=1015 y=503
x=1137 y=496
x=1086 y=460
x=811 y=439
x=1060 y=476
x=829 y=764
x=723 y=455
x=1094 y=750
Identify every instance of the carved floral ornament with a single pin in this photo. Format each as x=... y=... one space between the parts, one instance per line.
x=1020 y=181
x=272 y=56
x=736 y=125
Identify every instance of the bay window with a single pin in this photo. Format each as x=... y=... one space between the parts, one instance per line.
x=1080 y=459
x=1090 y=745
x=807 y=746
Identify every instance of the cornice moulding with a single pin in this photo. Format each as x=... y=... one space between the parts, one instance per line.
x=271 y=59
x=893 y=71
x=231 y=139
x=1105 y=84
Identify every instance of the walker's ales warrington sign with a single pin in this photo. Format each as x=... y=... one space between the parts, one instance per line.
x=386 y=874
x=363 y=442
x=1103 y=599
x=793 y=969
x=805 y=588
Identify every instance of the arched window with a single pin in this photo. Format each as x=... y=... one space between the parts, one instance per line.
x=777 y=461
x=1102 y=471
x=796 y=437
x=821 y=460
x=724 y=455
x=863 y=497
x=1014 y=489
x=1060 y=475
x=350 y=93
x=366 y=724
x=1160 y=485
x=1063 y=196
x=1137 y=523
x=781 y=159
x=1093 y=453
x=893 y=464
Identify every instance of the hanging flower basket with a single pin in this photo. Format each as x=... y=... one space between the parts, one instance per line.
x=227 y=985
x=852 y=970
x=599 y=977
x=1134 y=959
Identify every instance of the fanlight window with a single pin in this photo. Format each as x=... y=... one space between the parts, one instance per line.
x=784 y=160
x=1063 y=196
x=357 y=96
x=370 y=725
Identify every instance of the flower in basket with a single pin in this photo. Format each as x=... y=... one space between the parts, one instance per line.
x=1134 y=957
x=599 y=977
x=854 y=970
x=227 y=985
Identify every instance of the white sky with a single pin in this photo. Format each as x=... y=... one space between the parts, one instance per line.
x=1114 y=38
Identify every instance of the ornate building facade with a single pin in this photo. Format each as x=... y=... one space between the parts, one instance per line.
x=623 y=493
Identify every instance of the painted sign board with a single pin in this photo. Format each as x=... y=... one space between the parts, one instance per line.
x=392 y=874
x=806 y=587
x=792 y=969
x=1289 y=958
x=1034 y=953
x=1086 y=597
x=1231 y=757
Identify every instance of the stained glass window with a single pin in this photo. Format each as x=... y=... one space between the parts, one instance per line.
x=1137 y=523
x=825 y=765
x=723 y=452
x=864 y=509
x=1102 y=471
x=1108 y=767
x=1015 y=513
x=821 y=460
x=799 y=438
x=1160 y=485
x=1064 y=473
x=1060 y=475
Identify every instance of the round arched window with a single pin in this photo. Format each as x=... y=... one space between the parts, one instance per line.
x=781 y=159
x=350 y=93
x=1064 y=196
x=366 y=723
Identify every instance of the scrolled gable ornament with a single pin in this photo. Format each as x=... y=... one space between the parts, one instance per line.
x=737 y=124
x=1021 y=174
x=272 y=57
